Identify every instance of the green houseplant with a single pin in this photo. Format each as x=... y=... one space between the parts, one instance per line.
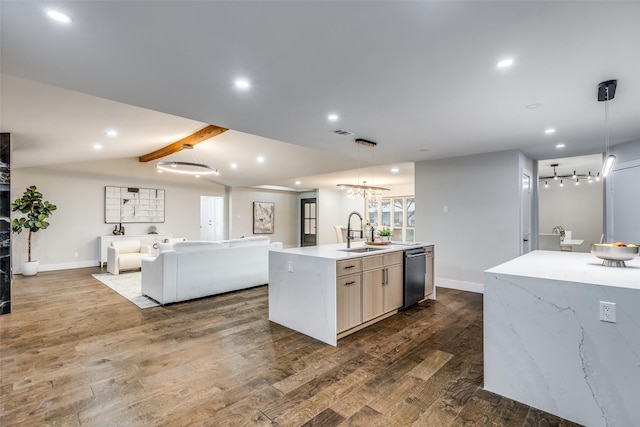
x=384 y=233
x=35 y=212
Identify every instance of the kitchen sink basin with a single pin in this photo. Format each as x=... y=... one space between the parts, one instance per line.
x=361 y=250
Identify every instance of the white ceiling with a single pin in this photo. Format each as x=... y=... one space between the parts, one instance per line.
x=419 y=78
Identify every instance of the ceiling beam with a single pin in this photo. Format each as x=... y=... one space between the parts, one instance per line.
x=193 y=139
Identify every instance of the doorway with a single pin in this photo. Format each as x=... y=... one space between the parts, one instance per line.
x=525 y=208
x=571 y=198
x=211 y=218
x=308 y=222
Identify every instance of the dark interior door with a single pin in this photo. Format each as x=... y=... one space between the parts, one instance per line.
x=308 y=223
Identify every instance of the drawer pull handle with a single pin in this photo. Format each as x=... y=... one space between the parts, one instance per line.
x=349 y=266
x=350 y=283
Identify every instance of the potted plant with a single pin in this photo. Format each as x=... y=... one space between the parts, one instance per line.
x=35 y=211
x=385 y=234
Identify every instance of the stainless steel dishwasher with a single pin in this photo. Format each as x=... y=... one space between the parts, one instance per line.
x=415 y=268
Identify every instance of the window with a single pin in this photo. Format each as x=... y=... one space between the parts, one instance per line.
x=397 y=213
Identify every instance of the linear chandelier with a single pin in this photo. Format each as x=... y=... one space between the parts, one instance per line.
x=363 y=191
x=575 y=177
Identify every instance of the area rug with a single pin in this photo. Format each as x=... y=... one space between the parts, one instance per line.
x=129 y=286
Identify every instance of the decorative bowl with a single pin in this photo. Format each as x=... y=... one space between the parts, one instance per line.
x=614 y=256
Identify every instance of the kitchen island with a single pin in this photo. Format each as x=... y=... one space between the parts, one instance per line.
x=544 y=342
x=327 y=291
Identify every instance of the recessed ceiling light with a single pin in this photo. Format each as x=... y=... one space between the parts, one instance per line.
x=58 y=16
x=97 y=147
x=234 y=166
x=260 y=159
x=332 y=117
x=561 y=145
x=533 y=106
x=298 y=182
x=243 y=84
x=505 y=63
x=549 y=131
x=395 y=170
x=111 y=133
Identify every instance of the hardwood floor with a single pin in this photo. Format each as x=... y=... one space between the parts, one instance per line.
x=73 y=352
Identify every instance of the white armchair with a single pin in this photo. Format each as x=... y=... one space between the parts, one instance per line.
x=126 y=255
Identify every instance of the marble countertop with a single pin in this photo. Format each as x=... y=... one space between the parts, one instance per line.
x=336 y=251
x=578 y=267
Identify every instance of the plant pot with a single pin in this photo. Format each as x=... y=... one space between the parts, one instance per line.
x=30 y=268
x=384 y=238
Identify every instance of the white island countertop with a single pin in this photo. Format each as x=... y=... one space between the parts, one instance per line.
x=339 y=251
x=546 y=346
x=303 y=285
x=572 y=267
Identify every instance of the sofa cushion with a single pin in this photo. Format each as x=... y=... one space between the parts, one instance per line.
x=197 y=246
x=249 y=241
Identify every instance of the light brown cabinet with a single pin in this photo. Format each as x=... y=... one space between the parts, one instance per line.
x=348 y=294
x=348 y=301
x=429 y=275
x=382 y=278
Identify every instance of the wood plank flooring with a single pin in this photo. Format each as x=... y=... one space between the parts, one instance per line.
x=74 y=352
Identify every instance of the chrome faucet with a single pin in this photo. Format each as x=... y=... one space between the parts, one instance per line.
x=349 y=237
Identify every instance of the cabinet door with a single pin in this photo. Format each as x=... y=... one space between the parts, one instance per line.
x=393 y=298
x=348 y=302
x=372 y=294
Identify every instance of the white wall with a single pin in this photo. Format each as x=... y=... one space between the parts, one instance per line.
x=286 y=222
x=334 y=208
x=482 y=226
x=576 y=208
x=78 y=191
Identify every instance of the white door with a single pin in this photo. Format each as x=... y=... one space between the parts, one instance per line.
x=525 y=208
x=211 y=218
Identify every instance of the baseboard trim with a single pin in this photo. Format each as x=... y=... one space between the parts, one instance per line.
x=460 y=285
x=61 y=266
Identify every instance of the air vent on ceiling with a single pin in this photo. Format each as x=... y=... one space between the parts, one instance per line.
x=342 y=132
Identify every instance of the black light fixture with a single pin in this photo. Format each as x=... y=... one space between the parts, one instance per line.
x=606 y=92
x=575 y=176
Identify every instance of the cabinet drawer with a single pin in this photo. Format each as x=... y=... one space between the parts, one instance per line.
x=372 y=261
x=349 y=266
x=393 y=258
x=351 y=279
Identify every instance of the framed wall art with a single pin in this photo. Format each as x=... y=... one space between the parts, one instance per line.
x=127 y=204
x=263 y=217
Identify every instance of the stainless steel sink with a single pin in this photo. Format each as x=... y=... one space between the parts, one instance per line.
x=361 y=250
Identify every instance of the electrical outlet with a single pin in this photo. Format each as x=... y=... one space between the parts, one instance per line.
x=290 y=266
x=608 y=311
x=446 y=209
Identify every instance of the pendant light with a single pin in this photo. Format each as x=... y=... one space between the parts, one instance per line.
x=606 y=92
x=363 y=191
x=195 y=168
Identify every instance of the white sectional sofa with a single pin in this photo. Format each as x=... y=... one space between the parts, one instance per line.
x=194 y=269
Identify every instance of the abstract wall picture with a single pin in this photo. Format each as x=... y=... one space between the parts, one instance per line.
x=127 y=204
x=263 y=217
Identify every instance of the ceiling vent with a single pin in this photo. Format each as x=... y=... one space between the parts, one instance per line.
x=342 y=132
